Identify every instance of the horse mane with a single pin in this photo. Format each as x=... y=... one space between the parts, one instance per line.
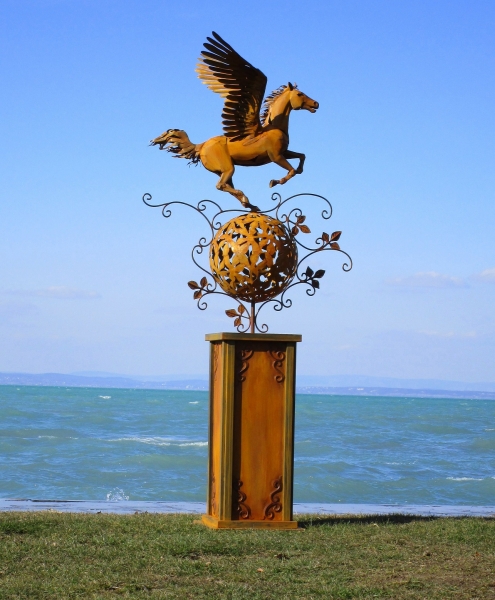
x=268 y=101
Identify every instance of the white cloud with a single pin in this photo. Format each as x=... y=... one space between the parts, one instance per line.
x=61 y=291
x=488 y=276
x=428 y=279
x=449 y=334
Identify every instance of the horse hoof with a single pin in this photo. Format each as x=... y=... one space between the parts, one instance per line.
x=273 y=183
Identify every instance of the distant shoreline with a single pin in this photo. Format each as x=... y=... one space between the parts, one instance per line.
x=78 y=381
x=315 y=508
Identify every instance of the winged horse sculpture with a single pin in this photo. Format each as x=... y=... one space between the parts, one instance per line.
x=256 y=132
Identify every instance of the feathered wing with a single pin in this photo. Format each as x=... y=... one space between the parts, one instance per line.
x=225 y=72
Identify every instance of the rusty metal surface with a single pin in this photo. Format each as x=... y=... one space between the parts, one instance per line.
x=255 y=257
x=256 y=131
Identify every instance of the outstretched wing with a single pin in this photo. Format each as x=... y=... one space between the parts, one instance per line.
x=242 y=85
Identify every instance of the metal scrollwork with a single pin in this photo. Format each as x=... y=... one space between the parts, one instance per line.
x=244 y=357
x=278 y=364
x=251 y=298
x=275 y=506
x=240 y=505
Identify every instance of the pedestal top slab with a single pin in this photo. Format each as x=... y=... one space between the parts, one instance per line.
x=254 y=337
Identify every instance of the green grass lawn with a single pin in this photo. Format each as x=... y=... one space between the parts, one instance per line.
x=64 y=555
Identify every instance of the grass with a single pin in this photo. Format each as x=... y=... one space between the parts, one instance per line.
x=64 y=555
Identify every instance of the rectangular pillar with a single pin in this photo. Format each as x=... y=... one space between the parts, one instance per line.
x=251 y=431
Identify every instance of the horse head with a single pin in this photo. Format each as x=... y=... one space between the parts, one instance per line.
x=299 y=101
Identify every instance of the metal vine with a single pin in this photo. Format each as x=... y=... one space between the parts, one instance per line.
x=246 y=315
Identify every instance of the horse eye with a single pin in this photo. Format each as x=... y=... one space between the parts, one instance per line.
x=299 y=94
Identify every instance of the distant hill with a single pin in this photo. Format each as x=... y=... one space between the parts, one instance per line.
x=61 y=380
x=307 y=385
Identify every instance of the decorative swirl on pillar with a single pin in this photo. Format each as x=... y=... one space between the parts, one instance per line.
x=240 y=506
x=275 y=506
x=216 y=359
x=244 y=356
x=278 y=364
x=213 y=495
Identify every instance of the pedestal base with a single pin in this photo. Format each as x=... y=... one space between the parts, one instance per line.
x=215 y=523
x=251 y=432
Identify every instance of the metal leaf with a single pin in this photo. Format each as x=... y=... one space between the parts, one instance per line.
x=193 y=285
x=325 y=237
x=203 y=282
x=295 y=230
x=232 y=313
x=335 y=236
x=241 y=309
x=309 y=272
x=197 y=294
x=305 y=229
x=319 y=273
x=316 y=284
x=301 y=219
x=237 y=322
x=334 y=246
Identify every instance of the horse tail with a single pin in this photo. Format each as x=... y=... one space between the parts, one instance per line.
x=178 y=143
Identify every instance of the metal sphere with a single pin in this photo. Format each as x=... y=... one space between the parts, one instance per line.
x=253 y=257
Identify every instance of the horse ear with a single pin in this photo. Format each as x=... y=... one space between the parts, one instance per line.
x=290 y=86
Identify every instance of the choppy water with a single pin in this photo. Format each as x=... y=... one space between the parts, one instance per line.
x=94 y=444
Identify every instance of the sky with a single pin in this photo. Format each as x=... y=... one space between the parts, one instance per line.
x=402 y=145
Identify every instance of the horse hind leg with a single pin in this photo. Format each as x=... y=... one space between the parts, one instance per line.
x=226 y=184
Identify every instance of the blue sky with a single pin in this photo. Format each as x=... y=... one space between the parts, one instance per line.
x=402 y=145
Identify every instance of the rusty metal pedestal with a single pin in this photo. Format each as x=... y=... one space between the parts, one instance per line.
x=251 y=431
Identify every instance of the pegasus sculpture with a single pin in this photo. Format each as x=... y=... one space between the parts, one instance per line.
x=256 y=132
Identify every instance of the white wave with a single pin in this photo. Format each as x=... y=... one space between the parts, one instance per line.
x=116 y=495
x=193 y=444
x=105 y=397
x=48 y=437
x=465 y=478
x=159 y=441
x=197 y=401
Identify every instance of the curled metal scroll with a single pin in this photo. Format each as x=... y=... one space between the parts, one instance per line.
x=246 y=314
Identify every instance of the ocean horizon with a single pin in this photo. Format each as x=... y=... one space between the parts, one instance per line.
x=119 y=446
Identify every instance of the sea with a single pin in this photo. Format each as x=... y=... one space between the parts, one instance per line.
x=111 y=445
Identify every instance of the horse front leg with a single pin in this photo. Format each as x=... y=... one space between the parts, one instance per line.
x=300 y=156
x=285 y=164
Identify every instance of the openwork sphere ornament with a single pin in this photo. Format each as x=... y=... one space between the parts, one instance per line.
x=253 y=257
